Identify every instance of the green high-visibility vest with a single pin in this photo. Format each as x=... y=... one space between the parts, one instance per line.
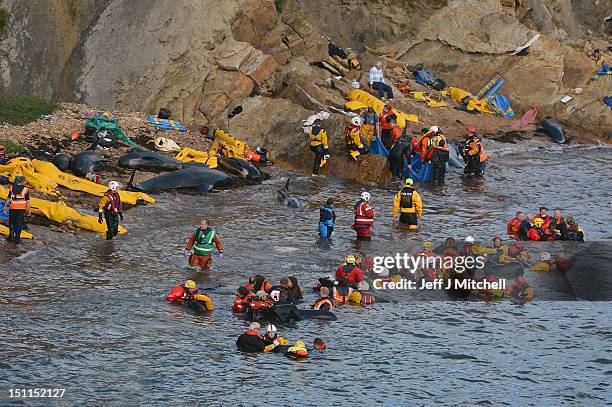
x=204 y=242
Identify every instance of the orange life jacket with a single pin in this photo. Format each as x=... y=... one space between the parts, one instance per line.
x=18 y=201
x=383 y=119
x=338 y=297
x=321 y=301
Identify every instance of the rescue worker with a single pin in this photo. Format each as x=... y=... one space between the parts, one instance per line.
x=525 y=225
x=426 y=143
x=3 y=157
x=284 y=288
x=349 y=271
x=111 y=207
x=354 y=139
x=574 y=232
x=323 y=303
x=188 y=291
x=543 y=214
x=363 y=288
x=558 y=225
x=271 y=337
x=243 y=297
x=297 y=351
x=17 y=204
x=536 y=233
x=203 y=240
x=261 y=284
x=474 y=154
x=521 y=290
x=514 y=225
x=397 y=151
x=364 y=217
x=385 y=126
x=250 y=341
x=319 y=344
x=327 y=218
x=546 y=263
x=409 y=204
x=318 y=145
x=370 y=124
x=440 y=158
x=295 y=289
x=470 y=248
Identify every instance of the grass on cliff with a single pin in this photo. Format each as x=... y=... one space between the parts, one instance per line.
x=12 y=148
x=20 y=110
x=3 y=21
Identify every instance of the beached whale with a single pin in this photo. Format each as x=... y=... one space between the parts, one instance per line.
x=454 y=155
x=86 y=162
x=555 y=131
x=290 y=201
x=239 y=168
x=151 y=161
x=203 y=179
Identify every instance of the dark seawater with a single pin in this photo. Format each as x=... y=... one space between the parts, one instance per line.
x=89 y=316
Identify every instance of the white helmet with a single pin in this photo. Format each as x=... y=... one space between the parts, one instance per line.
x=275 y=295
x=363 y=286
x=271 y=328
x=356 y=121
x=365 y=196
x=113 y=185
x=384 y=272
x=435 y=129
x=545 y=256
x=469 y=239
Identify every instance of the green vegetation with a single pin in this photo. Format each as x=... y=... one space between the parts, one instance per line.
x=3 y=21
x=12 y=148
x=279 y=4
x=19 y=110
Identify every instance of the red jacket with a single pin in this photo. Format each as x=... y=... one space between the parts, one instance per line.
x=514 y=226
x=351 y=272
x=396 y=134
x=240 y=303
x=179 y=294
x=364 y=218
x=383 y=119
x=534 y=234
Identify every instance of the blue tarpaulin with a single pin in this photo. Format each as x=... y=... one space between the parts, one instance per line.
x=377 y=147
x=419 y=171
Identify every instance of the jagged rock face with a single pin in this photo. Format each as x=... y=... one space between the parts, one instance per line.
x=474 y=46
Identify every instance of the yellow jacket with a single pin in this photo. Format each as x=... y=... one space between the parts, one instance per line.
x=281 y=341
x=354 y=137
x=482 y=250
x=417 y=203
x=206 y=300
x=320 y=138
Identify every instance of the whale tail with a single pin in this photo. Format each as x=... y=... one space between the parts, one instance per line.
x=130 y=184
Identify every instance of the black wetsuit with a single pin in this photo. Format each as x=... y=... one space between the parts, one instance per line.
x=250 y=343
x=439 y=159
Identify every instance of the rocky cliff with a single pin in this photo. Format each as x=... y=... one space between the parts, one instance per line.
x=202 y=58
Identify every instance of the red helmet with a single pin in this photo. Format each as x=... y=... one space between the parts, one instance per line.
x=2 y=148
x=204 y=130
x=471 y=130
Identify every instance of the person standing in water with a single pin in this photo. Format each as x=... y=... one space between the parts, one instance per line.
x=203 y=240
x=111 y=208
x=17 y=204
x=364 y=217
x=327 y=218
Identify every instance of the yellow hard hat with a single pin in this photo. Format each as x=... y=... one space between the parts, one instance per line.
x=190 y=284
x=538 y=222
x=355 y=297
x=350 y=259
x=427 y=244
x=300 y=344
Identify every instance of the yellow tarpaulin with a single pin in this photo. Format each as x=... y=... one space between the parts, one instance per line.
x=61 y=213
x=357 y=95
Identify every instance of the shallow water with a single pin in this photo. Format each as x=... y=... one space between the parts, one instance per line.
x=88 y=315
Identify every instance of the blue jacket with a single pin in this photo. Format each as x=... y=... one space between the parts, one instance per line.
x=327 y=215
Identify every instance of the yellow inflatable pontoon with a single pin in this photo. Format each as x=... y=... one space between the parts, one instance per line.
x=61 y=213
x=359 y=99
